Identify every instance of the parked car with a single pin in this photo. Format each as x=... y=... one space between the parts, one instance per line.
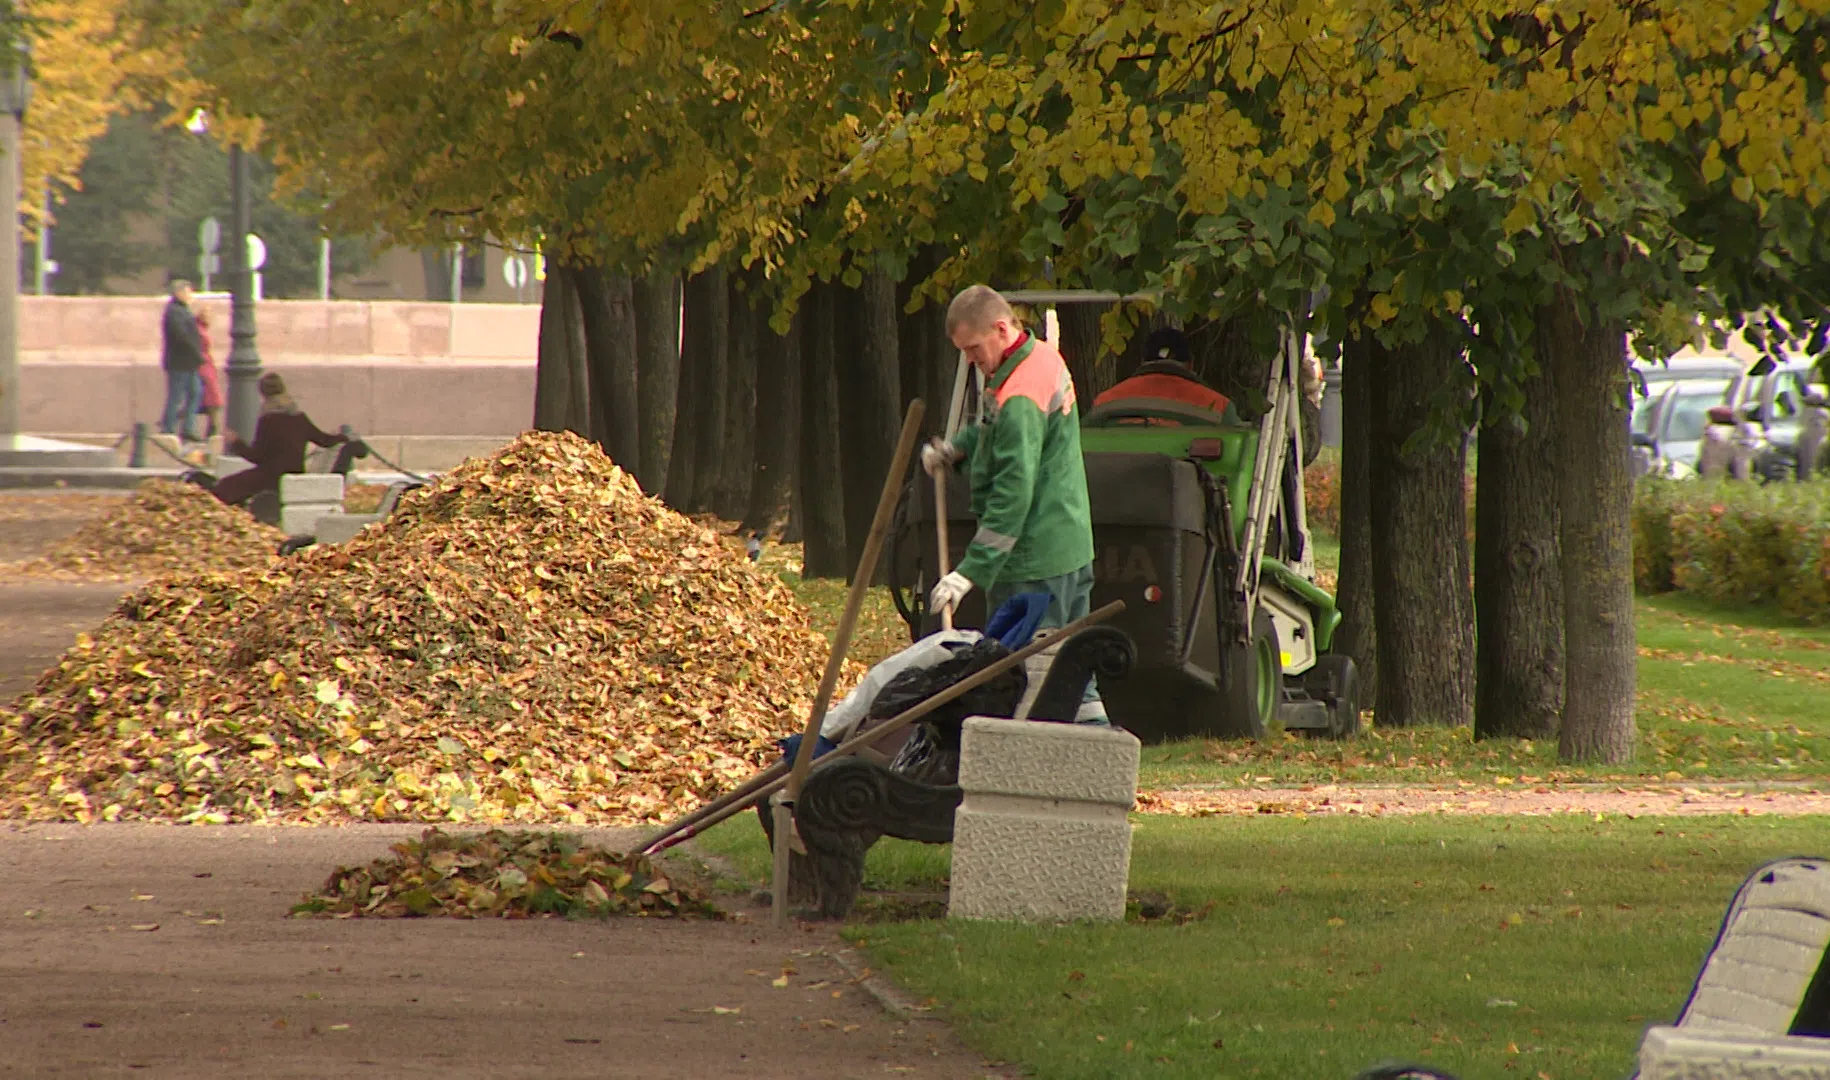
x=1780 y=398
x=1667 y=432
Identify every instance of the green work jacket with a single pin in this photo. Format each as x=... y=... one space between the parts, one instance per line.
x=1028 y=481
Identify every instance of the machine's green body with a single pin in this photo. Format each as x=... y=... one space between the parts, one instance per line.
x=1207 y=545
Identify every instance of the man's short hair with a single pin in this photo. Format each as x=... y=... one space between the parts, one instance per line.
x=178 y=285
x=977 y=307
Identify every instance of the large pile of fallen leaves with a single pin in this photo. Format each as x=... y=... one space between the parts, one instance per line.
x=530 y=638
x=165 y=526
x=503 y=875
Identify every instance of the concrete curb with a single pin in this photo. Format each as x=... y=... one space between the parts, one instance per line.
x=887 y=994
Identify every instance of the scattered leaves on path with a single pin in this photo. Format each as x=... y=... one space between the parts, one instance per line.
x=164 y=527
x=530 y=638
x=506 y=875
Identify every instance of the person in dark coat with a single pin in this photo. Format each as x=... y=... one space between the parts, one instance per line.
x=181 y=355
x=280 y=438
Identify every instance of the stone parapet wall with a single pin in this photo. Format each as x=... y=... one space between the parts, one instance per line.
x=126 y=329
x=90 y=365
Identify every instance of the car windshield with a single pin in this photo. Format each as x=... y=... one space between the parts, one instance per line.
x=1690 y=413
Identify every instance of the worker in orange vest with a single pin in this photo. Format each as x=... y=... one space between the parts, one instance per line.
x=1167 y=376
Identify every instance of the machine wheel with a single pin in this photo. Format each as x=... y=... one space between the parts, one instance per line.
x=1251 y=680
x=1336 y=681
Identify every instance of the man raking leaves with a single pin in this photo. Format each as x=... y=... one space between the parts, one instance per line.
x=1023 y=464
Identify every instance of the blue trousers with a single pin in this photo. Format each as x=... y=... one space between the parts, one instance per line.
x=1070 y=597
x=183 y=395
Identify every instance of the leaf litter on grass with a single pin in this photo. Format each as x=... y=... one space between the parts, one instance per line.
x=530 y=638
x=506 y=875
x=164 y=527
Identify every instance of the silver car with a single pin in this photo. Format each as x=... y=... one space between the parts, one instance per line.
x=1670 y=410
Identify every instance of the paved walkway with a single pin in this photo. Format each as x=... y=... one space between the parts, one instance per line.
x=150 y=950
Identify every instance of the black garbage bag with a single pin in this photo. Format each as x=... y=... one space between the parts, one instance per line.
x=931 y=755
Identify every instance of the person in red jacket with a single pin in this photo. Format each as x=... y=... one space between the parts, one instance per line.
x=1167 y=376
x=280 y=438
x=210 y=405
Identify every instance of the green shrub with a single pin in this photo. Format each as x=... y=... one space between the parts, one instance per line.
x=1737 y=543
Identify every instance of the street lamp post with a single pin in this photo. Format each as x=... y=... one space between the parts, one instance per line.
x=15 y=94
x=244 y=355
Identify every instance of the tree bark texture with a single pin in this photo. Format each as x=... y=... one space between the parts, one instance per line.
x=704 y=334
x=1518 y=583
x=657 y=312
x=610 y=349
x=1422 y=600
x=822 y=505
x=714 y=389
x=926 y=359
x=1234 y=356
x=738 y=443
x=1358 y=635
x=1588 y=369
x=866 y=370
x=1083 y=347
x=561 y=389
x=778 y=427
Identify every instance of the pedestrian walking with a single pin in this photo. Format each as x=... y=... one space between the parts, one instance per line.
x=210 y=402
x=181 y=355
x=1025 y=472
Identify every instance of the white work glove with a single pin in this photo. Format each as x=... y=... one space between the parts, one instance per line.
x=949 y=591
x=939 y=455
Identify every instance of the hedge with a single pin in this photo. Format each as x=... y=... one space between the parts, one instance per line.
x=1736 y=542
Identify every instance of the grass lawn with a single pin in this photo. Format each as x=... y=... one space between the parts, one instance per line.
x=1493 y=947
x=1723 y=694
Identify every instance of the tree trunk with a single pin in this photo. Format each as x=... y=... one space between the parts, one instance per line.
x=778 y=428
x=822 y=504
x=866 y=367
x=1588 y=369
x=712 y=379
x=1518 y=585
x=705 y=330
x=611 y=353
x=737 y=453
x=1422 y=601
x=561 y=390
x=1083 y=347
x=928 y=359
x=657 y=313
x=1357 y=636
x=435 y=262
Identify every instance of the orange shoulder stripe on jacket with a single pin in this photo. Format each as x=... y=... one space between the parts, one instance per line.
x=1043 y=378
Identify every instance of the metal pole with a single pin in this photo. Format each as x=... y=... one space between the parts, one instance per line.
x=43 y=268
x=457 y=273
x=9 y=273
x=324 y=268
x=244 y=355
